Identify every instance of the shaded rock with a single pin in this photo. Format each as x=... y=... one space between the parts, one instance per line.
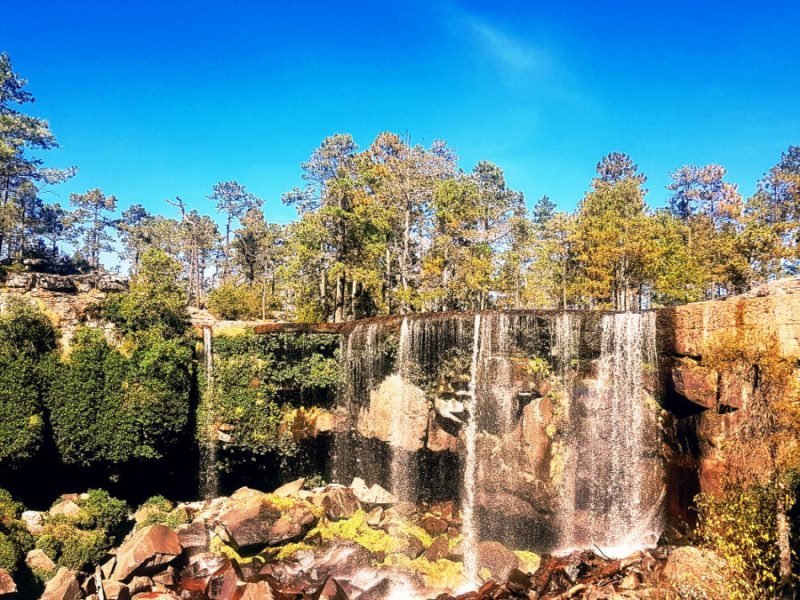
x=148 y=549
x=140 y=584
x=34 y=521
x=63 y=586
x=166 y=578
x=38 y=559
x=260 y=523
x=339 y=503
x=372 y=495
x=696 y=573
x=66 y=507
x=433 y=525
x=193 y=537
x=439 y=548
x=7 y=585
x=55 y=283
x=498 y=559
x=694 y=382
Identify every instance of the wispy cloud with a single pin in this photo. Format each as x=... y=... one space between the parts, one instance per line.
x=511 y=52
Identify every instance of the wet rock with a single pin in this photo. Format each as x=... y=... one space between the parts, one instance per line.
x=433 y=525
x=149 y=548
x=396 y=401
x=63 y=586
x=193 y=537
x=339 y=503
x=258 y=522
x=498 y=559
x=38 y=559
x=7 y=585
x=696 y=573
x=290 y=489
x=372 y=495
x=439 y=548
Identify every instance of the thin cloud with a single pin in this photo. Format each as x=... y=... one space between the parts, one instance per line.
x=509 y=51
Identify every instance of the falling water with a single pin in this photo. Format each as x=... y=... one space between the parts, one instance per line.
x=470 y=526
x=209 y=472
x=617 y=474
x=403 y=473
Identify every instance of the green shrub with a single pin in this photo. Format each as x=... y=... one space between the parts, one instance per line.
x=235 y=302
x=740 y=527
x=101 y=511
x=9 y=553
x=106 y=407
x=72 y=547
x=27 y=339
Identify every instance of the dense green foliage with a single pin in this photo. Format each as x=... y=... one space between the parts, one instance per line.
x=15 y=540
x=84 y=538
x=257 y=379
x=231 y=301
x=112 y=405
x=27 y=340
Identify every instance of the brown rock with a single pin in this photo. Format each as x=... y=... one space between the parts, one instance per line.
x=7 y=585
x=439 y=548
x=414 y=547
x=166 y=578
x=694 y=382
x=140 y=584
x=260 y=523
x=339 y=503
x=375 y=517
x=291 y=488
x=115 y=590
x=156 y=596
x=498 y=559
x=433 y=525
x=38 y=559
x=148 y=549
x=255 y=591
x=395 y=399
x=193 y=537
x=695 y=573
x=64 y=586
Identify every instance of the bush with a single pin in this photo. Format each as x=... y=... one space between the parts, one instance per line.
x=234 y=302
x=9 y=554
x=109 y=408
x=15 y=541
x=740 y=527
x=27 y=339
x=101 y=511
x=69 y=546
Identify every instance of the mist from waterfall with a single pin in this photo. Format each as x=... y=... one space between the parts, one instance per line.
x=470 y=525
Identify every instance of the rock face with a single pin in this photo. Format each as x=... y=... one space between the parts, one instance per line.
x=7 y=585
x=706 y=406
x=148 y=549
x=395 y=402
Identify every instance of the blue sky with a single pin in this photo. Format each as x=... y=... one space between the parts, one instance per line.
x=153 y=99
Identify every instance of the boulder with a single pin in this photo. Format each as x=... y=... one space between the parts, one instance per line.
x=339 y=503
x=497 y=559
x=115 y=590
x=34 y=521
x=193 y=537
x=290 y=489
x=375 y=495
x=259 y=522
x=64 y=586
x=148 y=549
x=66 y=507
x=433 y=525
x=109 y=282
x=694 y=382
x=439 y=548
x=38 y=559
x=397 y=414
x=255 y=591
x=696 y=573
x=7 y=585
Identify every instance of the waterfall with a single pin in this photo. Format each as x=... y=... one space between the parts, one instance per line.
x=470 y=525
x=209 y=470
x=616 y=472
x=402 y=470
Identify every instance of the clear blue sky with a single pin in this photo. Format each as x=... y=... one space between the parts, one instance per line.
x=152 y=99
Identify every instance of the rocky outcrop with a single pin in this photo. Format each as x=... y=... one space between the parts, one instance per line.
x=147 y=550
x=64 y=586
